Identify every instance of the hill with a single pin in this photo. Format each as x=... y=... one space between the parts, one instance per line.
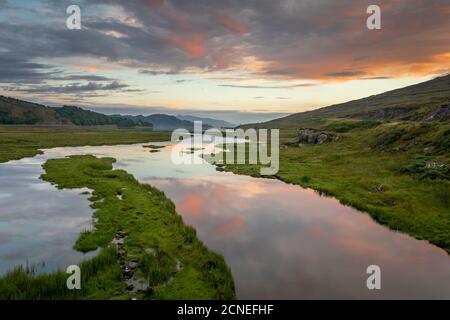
x=428 y=100
x=164 y=122
x=81 y=117
x=208 y=121
x=14 y=111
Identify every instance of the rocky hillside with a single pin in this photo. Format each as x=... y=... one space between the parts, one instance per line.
x=427 y=101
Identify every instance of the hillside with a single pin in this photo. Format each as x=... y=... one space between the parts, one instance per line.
x=14 y=111
x=164 y=122
x=208 y=121
x=428 y=100
x=19 y=112
x=81 y=117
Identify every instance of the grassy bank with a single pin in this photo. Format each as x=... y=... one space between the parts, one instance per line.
x=17 y=142
x=170 y=258
x=391 y=170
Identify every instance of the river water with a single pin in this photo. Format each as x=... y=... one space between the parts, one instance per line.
x=281 y=241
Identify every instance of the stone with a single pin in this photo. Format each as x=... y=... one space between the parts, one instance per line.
x=428 y=150
x=321 y=138
x=310 y=135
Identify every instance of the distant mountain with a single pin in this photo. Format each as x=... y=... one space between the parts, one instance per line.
x=15 y=111
x=164 y=122
x=208 y=121
x=428 y=100
x=81 y=117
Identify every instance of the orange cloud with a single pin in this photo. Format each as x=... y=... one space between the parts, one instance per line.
x=192 y=205
x=230 y=226
x=91 y=68
x=169 y=13
x=192 y=44
x=233 y=25
x=223 y=58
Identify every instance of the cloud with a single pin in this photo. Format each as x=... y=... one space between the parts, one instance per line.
x=285 y=40
x=233 y=25
x=157 y=72
x=74 y=88
x=345 y=74
x=182 y=81
x=14 y=69
x=291 y=86
x=86 y=77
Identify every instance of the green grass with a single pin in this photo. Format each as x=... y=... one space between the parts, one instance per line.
x=157 y=238
x=101 y=279
x=377 y=168
x=17 y=142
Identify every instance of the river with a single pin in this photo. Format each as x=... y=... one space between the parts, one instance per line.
x=281 y=241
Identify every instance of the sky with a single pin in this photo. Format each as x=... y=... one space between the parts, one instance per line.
x=238 y=60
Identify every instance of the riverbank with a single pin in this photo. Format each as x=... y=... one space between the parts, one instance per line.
x=169 y=261
x=18 y=142
x=389 y=170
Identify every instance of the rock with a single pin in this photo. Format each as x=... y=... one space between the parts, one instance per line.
x=435 y=165
x=377 y=188
x=301 y=145
x=121 y=234
x=386 y=113
x=428 y=150
x=310 y=135
x=307 y=135
x=440 y=114
x=321 y=138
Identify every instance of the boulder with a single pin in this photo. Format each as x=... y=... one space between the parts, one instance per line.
x=310 y=135
x=321 y=138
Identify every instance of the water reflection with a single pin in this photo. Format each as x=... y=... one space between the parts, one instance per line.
x=282 y=241
x=39 y=224
x=286 y=242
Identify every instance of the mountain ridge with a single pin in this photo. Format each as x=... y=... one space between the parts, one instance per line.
x=429 y=100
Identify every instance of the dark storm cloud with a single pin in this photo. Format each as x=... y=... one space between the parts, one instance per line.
x=20 y=70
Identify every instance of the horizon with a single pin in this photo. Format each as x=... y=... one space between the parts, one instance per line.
x=218 y=60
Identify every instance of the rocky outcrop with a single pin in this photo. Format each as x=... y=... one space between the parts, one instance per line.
x=310 y=135
x=440 y=114
x=387 y=113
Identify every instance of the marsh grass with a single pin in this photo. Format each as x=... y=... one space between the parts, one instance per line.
x=157 y=236
x=17 y=142
x=101 y=279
